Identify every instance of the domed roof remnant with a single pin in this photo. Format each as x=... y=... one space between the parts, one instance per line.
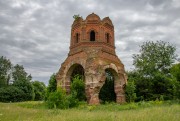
x=107 y=20
x=93 y=17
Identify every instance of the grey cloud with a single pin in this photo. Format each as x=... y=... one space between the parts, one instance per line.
x=157 y=3
x=37 y=33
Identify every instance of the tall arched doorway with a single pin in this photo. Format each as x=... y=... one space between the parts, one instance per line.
x=107 y=92
x=76 y=79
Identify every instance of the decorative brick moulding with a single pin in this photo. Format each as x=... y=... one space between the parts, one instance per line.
x=92 y=51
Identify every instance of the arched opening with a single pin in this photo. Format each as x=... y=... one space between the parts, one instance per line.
x=107 y=37
x=76 y=84
x=92 y=35
x=77 y=70
x=107 y=92
x=77 y=37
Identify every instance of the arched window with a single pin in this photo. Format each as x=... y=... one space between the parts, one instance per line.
x=77 y=37
x=107 y=37
x=92 y=36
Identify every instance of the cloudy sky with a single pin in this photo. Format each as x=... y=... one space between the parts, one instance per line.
x=36 y=33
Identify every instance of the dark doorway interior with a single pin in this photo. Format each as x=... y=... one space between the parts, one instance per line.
x=92 y=36
x=78 y=70
x=107 y=37
x=77 y=37
x=107 y=93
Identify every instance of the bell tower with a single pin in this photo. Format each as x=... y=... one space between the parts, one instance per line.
x=92 y=52
x=92 y=32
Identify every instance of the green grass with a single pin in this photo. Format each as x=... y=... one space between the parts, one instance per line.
x=142 y=111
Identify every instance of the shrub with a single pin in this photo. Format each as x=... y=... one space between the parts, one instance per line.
x=78 y=88
x=130 y=91
x=26 y=87
x=72 y=100
x=57 y=99
x=11 y=94
x=60 y=100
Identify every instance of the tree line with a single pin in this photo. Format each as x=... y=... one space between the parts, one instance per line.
x=16 y=84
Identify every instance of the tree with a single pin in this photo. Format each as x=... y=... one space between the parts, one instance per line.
x=22 y=81
x=20 y=74
x=152 y=69
x=175 y=71
x=52 y=87
x=26 y=87
x=5 y=71
x=154 y=57
x=21 y=89
x=39 y=90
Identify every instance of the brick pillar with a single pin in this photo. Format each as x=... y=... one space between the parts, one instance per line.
x=92 y=96
x=94 y=99
x=120 y=96
x=67 y=87
x=87 y=91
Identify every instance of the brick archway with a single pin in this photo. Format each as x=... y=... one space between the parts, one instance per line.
x=72 y=71
x=119 y=82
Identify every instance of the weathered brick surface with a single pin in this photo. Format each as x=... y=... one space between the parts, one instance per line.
x=94 y=56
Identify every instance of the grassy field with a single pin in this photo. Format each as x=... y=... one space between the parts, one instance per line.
x=143 y=111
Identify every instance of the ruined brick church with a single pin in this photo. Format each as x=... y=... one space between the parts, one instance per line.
x=92 y=52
